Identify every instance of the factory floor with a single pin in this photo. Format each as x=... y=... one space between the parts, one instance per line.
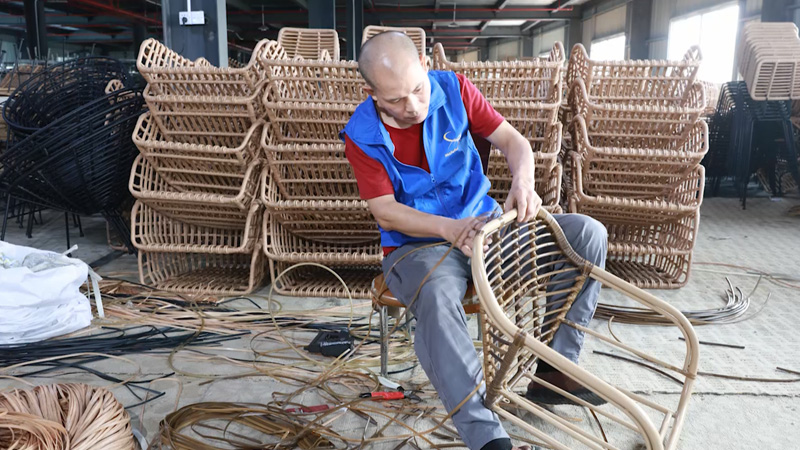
x=723 y=413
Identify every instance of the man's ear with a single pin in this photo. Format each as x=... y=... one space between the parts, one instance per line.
x=424 y=61
x=368 y=90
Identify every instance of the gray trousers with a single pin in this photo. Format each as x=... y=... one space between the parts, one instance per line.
x=442 y=343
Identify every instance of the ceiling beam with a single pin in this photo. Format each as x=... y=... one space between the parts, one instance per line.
x=483 y=25
x=60 y=19
x=301 y=3
x=412 y=15
x=501 y=4
x=528 y=25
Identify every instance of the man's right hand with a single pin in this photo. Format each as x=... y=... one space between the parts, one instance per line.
x=461 y=233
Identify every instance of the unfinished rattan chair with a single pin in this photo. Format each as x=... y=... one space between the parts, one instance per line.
x=309 y=43
x=416 y=34
x=524 y=306
x=650 y=82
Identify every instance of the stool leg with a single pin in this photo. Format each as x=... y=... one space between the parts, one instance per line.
x=384 y=319
x=480 y=327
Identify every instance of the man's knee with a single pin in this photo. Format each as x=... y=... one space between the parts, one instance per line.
x=588 y=237
x=441 y=295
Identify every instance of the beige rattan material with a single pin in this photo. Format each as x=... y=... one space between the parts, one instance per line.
x=209 y=204
x=314 y=81
x=537 y=122
x=314 y=281
x=309 y=172
x=648 y=271
x=416 y=34
x=203 y=273
x=547 y=179
x=634 y=125
x=769 y=60
x=281 y=245
x=654 y=82
x=521 y=317
x=309 y=43
x=636 y=172
x=156 y=232
x=113 y=86
x=536 y=80
x=337 y=221
x=64 y=416
x=186 y=164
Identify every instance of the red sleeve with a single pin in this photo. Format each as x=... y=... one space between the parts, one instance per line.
x=483 y=119
x=371 y=176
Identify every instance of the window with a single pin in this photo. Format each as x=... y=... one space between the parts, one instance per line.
x=609 y=49
x=715 y=32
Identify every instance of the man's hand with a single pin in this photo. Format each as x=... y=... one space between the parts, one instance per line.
x=523 y=196
x=462 y=232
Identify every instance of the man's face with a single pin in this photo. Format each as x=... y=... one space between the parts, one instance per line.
x=403 y=94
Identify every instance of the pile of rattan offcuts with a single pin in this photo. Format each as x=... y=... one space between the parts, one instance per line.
x=64 y=417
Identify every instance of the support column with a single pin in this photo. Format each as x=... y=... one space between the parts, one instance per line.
x=322 y=14
x=527 y=47
x=777 y=11
x=574 y=34
x=209 y=41
x=139 y=35
x=638 y=21
x=35 y=29
x=355 y=28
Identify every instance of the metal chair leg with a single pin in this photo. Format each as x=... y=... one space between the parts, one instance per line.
x=384 y=324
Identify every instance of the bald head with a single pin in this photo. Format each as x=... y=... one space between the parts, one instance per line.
x=386 y=51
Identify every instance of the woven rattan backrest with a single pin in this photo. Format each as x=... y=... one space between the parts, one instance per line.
x=309 y=43
x=655 y=81
x=536 y=80
x=526 y=282
x=416 y=34
x=168 y=73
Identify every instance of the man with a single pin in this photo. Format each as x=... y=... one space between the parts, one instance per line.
x=417 y=166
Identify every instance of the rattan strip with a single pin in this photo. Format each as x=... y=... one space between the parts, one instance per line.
x=547 y=178
x=64 y=416
x=309 y=43
x=657 y=82
x=202 y=274
x=310 y=281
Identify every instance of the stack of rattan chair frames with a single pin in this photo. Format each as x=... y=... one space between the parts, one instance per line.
x=313 y=211
x=524 y=306
x=637 y=143
x=769 y=60
x=309 y=43
x=197 y=221
x=528 y=94
x=69 y=146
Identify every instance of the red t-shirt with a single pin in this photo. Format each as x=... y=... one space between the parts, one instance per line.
x=371 y=176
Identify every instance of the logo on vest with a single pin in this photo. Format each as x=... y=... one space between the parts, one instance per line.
x=453 y=143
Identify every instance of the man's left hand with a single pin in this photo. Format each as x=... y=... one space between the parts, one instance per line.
x=524 y=198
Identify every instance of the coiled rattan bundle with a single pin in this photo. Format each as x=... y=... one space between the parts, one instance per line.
x=64 y=417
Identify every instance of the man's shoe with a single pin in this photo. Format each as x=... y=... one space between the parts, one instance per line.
x=537 y=393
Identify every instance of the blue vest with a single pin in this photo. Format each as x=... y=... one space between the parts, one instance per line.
x=456 y=186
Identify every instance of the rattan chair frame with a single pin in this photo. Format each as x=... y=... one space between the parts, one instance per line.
x=309 y=171
x=208 y=205
x=282 y=246
x=517 y=330
x=636 y=125
x=310 y=280
x=537 y=80
x=334 y=221
x=182 y=163
x=203 y=274
x=547 y=178
x=769 y=60
x=153 y=231
x=416 y=34
x=656 y=82
x=309 y=43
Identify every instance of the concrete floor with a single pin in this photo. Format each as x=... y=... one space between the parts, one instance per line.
x=723 y=414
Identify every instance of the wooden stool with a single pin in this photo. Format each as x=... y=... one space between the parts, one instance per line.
x=383 y=300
